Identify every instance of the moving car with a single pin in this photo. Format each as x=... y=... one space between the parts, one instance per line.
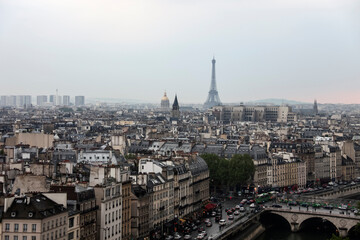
x=222 y=222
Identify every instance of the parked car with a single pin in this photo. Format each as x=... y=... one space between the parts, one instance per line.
x=343 y=207
x=329 y=206
x=231 y=217
x=200 y=236
x=187 y=237
x=242 y=209
x=177 y=236
x=236 y=212
x=276 y=206
x=209 y=224
x=252 y=205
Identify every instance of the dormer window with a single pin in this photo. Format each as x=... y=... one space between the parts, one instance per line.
x=13 y=214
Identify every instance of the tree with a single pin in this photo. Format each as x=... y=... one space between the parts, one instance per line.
x=241 y=170
x=217 y=169
x=335 y=237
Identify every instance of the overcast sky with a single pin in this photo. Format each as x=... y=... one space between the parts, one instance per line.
x=132 y=49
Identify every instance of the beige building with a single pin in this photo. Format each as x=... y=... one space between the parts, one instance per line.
x=40 y=140
x=199 y=181
x=183 y=191
x=35 y=218
x=254 y=113
x=140 y=212
x=286 y=170
x=107 y=183
x=126 y=207
x=352 y=149
x=74 y=226
x=82 y=201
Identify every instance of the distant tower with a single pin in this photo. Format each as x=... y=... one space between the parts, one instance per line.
x=175 y=113
x=57 y=98
x=165 y=103
x=315 y=108
x=213 y=97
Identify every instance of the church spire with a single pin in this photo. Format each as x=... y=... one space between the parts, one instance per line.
x=176 y=104
x=175 y=113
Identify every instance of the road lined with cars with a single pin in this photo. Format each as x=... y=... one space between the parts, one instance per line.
x=236 y=210
x=220 y=219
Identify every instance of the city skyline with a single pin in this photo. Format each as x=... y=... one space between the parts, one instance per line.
x=303 y=50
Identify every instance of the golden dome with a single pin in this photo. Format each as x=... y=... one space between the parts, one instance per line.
x=165 y=98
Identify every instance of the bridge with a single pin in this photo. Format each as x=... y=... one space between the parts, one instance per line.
x=340 y=192
x=296 y=218
x=336 y=192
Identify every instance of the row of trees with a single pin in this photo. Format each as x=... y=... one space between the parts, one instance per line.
x=229 y=173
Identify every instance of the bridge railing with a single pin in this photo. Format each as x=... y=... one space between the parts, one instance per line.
x=331 y=213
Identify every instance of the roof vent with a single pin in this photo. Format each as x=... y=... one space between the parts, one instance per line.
x=13 y=214
x=38 y=200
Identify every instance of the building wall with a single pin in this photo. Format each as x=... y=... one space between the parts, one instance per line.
x=109 y=214
x=126 y=210
x=74 y=227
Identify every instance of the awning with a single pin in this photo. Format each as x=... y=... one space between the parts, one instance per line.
x=210 y=206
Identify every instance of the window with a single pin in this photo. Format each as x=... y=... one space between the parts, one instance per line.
x=34 y=228
x=71 y=235
x=71 y=222
x=25 y=228
x=7 y=227
x=7 y=237
x=16 y=238
x=33 y=237
x=24 y=237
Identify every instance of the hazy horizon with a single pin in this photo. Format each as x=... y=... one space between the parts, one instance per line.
x=131 y=49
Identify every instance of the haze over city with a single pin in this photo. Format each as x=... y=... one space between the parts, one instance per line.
x=298 y=50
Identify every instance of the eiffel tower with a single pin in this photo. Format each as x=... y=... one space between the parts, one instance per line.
x=213 y=97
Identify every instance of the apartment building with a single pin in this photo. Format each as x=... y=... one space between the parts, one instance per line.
x=140 y=200
x=107 y=184
x=80 y=200
x=35 y=218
